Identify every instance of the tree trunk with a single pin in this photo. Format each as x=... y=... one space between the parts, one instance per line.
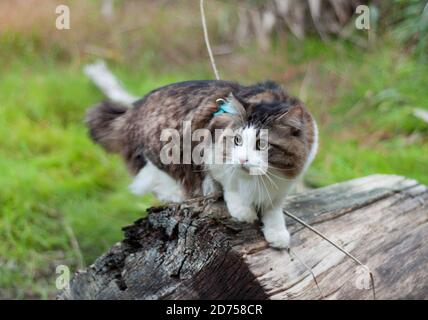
x=194 y=251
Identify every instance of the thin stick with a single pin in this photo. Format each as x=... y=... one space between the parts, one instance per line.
x=74 y=244
x=336 y=246
x=207 y=41
x=292 y=253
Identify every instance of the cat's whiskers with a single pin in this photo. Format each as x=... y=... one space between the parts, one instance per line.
x=258 y=191
x=267 y=191
x=281 y=169
x=232 y=169
x=271 y=180
x=278 y=176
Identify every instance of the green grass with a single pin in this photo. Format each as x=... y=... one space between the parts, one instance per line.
x=57 y=188
x=373 y=129
x=54 y=179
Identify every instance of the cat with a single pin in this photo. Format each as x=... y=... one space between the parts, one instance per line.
x=291 y=145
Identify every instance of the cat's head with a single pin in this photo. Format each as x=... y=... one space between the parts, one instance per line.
x=273 y=136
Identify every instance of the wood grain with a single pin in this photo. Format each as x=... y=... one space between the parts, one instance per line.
x=194 y=251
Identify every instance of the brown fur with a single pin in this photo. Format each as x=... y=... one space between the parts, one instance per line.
x=135 y=132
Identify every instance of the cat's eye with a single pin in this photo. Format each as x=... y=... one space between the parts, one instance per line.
x=296 y=132
x=238 y=139
x=261 y=144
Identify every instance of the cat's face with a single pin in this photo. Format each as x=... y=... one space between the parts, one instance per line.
x=249 y=151
x=272 y=138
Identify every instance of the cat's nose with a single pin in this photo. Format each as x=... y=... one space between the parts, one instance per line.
x=243 y=160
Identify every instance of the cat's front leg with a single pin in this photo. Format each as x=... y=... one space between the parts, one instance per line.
x=274 y=228
x=238 y=209
x=210 y=186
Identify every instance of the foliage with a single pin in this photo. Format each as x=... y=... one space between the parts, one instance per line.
x=412 y=25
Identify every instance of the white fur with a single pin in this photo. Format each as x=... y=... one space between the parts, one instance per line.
x=209 y=186
x=152 y=179
x=243 y=192
x=314 y=148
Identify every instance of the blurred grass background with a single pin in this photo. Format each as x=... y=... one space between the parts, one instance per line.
x=63 y=200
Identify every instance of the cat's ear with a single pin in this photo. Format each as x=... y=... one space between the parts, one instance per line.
x=292 y=116
x=237 y=105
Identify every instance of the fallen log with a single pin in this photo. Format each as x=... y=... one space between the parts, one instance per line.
x=194 y=250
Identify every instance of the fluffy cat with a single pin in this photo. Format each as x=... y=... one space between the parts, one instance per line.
x=291 y=145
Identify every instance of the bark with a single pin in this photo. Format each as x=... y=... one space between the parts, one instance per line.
x=195 y=251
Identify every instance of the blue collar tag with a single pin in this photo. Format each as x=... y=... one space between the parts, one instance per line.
x=225 y=107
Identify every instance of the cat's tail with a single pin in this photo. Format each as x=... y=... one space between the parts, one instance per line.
x=104 y=122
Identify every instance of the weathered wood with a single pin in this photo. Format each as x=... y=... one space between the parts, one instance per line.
x=194 y=251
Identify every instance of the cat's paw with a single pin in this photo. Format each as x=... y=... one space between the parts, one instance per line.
x=244 y=214
x=279 y=239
